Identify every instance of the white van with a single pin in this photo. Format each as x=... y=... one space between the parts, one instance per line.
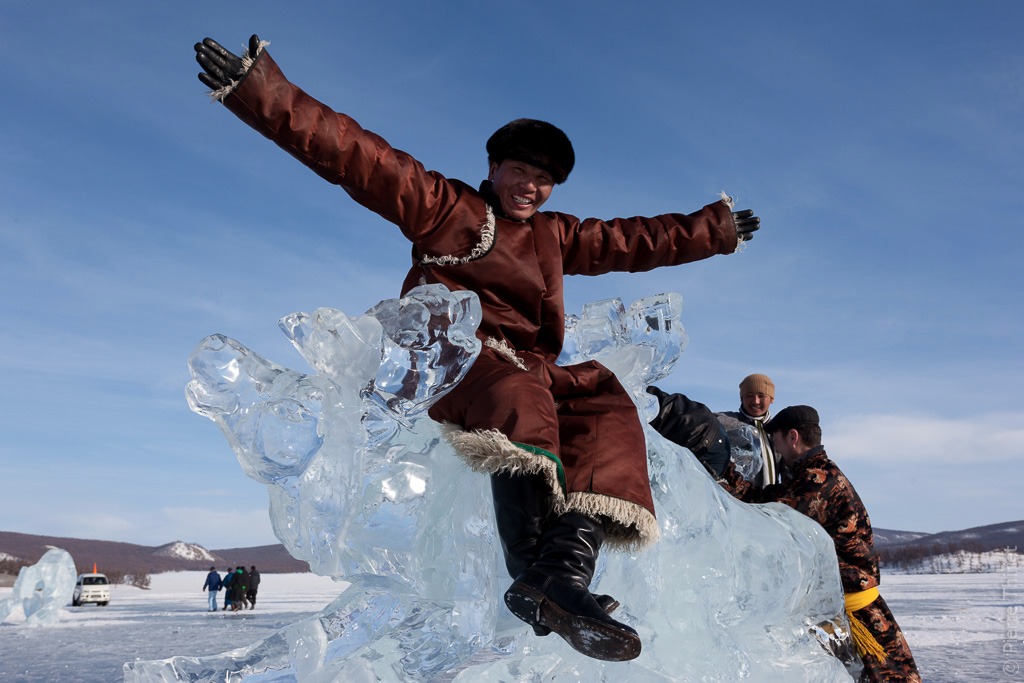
x=91 y=588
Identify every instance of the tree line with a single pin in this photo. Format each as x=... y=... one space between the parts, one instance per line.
x=959 y=556
x=132 y=577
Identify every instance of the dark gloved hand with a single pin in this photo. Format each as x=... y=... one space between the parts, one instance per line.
x=746 y=223
x=220 y=66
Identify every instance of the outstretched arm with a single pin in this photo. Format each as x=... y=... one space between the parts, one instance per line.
x=594 y=247
x=692 y=425
x=387 y=181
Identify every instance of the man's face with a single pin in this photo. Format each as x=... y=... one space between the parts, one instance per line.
x=756 y=405
x=521 y=187
x=784 y=445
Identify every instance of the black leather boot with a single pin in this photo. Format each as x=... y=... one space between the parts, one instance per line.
x=522 y=506
x=554 y=593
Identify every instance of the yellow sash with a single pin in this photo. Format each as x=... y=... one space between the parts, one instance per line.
x=862 y=637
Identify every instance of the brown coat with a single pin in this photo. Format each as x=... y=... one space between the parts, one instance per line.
x=590 y=439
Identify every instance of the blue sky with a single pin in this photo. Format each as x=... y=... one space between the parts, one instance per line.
x=880 y=142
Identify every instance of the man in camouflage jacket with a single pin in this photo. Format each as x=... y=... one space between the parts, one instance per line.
x=817 y=488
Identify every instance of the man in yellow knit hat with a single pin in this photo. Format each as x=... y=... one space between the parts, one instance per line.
x=757 y=393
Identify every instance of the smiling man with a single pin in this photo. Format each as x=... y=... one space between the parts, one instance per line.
x=757 y=393
x=563 y=445
x=526 y=158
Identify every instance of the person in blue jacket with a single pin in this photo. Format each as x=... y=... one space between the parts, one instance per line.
x=212 y=586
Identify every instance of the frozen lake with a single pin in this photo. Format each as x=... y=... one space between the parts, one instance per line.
x=961 y=627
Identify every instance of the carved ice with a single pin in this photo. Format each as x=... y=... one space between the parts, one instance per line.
x=43 y=589
x=376 y=497
x=745 y=446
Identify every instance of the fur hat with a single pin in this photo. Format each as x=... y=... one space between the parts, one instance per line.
x=537 y=143
x=791 y=418
x=757 y=384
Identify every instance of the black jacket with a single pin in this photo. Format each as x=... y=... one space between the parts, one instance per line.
x=692 y=425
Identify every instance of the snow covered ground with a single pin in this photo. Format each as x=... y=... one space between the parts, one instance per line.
x=92 y=643
x=962 y=627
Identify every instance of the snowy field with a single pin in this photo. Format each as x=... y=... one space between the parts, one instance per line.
x=962 y=627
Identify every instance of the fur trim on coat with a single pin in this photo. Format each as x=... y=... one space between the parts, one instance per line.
x=489 y=451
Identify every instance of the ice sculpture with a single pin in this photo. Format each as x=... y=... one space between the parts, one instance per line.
x=745 y=447
x=318 y=440
x=731 y=592
x=43 y=589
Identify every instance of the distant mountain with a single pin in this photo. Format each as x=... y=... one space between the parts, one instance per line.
x=26 y=549
x=909 y=550
x=885 y=537
x=984 y=538
x=267 y=555
x=185 y=551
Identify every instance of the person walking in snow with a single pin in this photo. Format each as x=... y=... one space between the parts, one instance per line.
x=212 y=586
x=254 y=585
x=229 y=578
x=563 y=445
x=239 y=585
x=816 y=487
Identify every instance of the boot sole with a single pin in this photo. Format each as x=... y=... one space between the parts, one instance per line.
x=608 y=607
x=588 y=636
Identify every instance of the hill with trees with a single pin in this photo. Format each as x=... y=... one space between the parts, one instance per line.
x=120 y=560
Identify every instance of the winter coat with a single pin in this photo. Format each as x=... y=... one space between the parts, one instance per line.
x=516 y=409
x=238 y=586
x=817 y=488
x=212 y=582
x=254 y=579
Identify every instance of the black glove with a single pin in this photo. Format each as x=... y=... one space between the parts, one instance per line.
x=221 y=67
x=746 y=222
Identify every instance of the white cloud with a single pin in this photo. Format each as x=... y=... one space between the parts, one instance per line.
x=216 y=528
x=210 y=527
x=88 y=523
x=965 y=440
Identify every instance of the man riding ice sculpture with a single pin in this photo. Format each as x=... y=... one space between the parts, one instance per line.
x=563 y=445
